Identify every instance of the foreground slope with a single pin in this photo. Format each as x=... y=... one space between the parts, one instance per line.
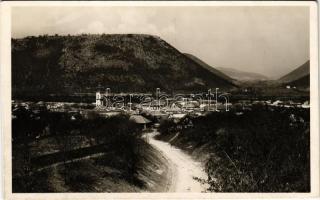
x=67 y=64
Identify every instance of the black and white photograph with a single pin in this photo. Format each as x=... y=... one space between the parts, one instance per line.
x=162 y=99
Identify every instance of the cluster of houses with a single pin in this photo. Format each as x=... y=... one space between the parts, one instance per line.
x=290 y=104
x=180 y=109
x=158 y=107
x=185 y=103
x=51 y=106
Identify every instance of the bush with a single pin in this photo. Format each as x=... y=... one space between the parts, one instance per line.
x=116 y=135
x=259 y=151
x=167 y=127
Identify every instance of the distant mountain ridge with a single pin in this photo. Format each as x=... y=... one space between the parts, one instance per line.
x=123 y=62
x=208 y=67
x=300 y=72
x=242 y=75
x=300 y=77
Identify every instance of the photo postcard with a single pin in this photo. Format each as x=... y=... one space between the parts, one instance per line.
x=159 y=100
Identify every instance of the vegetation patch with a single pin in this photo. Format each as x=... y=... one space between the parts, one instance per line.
x=263 y=150
x=91 y=154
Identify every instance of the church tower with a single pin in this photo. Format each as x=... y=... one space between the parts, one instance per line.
x=99 y=99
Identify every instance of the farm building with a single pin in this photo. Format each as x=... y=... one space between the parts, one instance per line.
x=139 y=119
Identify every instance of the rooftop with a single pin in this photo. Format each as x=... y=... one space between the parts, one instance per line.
x=139 y=119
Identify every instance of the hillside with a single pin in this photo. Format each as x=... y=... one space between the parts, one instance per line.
x=298 y=73
x=242 y=75
x=208 y=67
x=303 y=82
x=67 y=64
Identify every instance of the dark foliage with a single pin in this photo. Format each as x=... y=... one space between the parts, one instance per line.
x=259 y=151
x=303 y=82
x=116 y=136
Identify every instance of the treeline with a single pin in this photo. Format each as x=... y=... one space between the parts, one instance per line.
x=85 y=98
x=262 y=150
x=117 y=137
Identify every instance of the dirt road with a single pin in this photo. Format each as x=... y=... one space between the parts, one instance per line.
x=183 y=168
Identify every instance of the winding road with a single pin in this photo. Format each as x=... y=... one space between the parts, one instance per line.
x=182 y=171
x=183 y=168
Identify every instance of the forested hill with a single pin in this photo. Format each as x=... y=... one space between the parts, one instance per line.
x=124 y=62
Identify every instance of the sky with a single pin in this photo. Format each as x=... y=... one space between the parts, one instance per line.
x=271 y=40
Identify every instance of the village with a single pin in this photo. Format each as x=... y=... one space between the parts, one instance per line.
x=141 y=107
